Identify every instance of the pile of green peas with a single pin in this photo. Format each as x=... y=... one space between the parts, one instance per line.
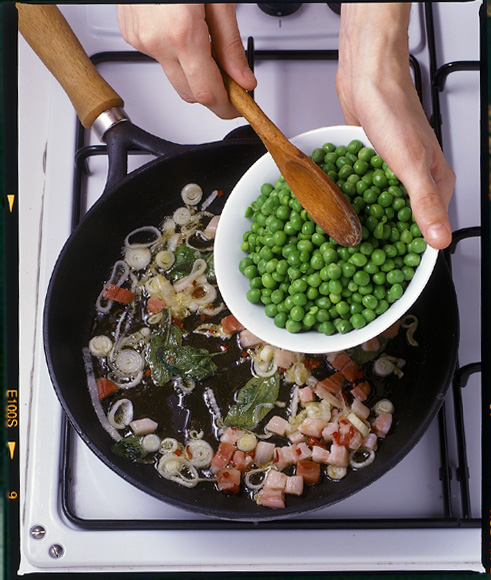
x=305 y=279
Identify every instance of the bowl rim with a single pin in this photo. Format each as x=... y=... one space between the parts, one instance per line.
x=233 y=285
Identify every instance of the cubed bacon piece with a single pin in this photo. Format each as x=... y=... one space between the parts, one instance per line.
x=241 y=460
x=277 y=425
x=228 y=480
x=338 y=360
x=309 y=471
x=264 y=453
x=312 y=426
x=306 y=395
x=372 y=345
x=118 y=294
x=338 y=455
x=230 y=324
x=275 y=480
x=319 y=454
x=382 y=424
x=272 y=498
x=294 y=485
x=392 y=331
x=301 y=451
x=350 y=370
x=360 y=409
x=155 y=305
x=222 y=457
x=361 y=390
x=105 y=387
x=143 y=426
x=329 y=430
x=232 y=435
x=283 y=358
x=297 y=437
x=283 y=457
x=247 y=339
x=370 y=442
x=332 y=384
x=355 y=441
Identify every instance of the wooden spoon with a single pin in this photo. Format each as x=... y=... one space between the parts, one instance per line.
x=318 y=194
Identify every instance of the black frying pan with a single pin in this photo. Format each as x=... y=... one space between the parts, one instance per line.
x=143 y=198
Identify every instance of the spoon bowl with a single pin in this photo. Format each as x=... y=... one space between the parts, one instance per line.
x=234 y=285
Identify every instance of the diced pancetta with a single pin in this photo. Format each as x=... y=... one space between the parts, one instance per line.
x=361 y=391
x=283 y=457
x=264 y=453
x=275 y=480
x=230 y=324
x=319 y=454
x=306 y=395
x=283 y=358
x=301 y=451
x=231 y=435
x=329 y=429
x=338 y=455
x=271 y=498
x=370 y=441
x=309 y=471
x=247 y=339
x=297 y=437
x=277 y=425
x=228 y=480
x=222 y=457
x=360 y=409
x=312 y=426
x=382 y=424
x=294 y=485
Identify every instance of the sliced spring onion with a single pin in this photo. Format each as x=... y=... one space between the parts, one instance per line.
x=383 y=367
x=191 y=194
x=247 y=442
x=256 y=474
x=368 y=457
x=181 y=216
x=120 y=414
x=137 y=258
x=358 y=424
x=164 y=259
x=264 y=368
x=151 y=443
x=94 y=395
x=335 y=472
x=129 y=362
x=169 y=445
x=199 y=453
x=118 y=275
x=154 y=235
x=100 y=345
x=383 y=406
x=178 y=469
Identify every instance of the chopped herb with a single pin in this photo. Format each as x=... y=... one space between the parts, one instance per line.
x=254 y=401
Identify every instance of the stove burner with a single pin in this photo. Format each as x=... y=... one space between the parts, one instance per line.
x=281 y=8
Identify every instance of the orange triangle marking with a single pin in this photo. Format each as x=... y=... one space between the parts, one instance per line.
x=11 y=445
x=11 y=199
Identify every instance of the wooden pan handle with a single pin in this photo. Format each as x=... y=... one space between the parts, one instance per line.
x=47 y=32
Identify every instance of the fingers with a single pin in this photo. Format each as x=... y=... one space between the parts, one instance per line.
x=185 y=40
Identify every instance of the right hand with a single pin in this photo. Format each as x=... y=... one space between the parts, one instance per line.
x=188 y=40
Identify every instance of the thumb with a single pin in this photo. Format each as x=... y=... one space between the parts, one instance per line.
x=227 y=44
x=429 y=203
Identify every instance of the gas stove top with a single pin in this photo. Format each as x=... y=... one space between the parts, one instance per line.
x=76 y=515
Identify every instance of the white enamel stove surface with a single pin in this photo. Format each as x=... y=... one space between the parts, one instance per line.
x=47 y=135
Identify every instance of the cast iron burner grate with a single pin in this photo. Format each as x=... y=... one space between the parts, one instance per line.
x=461 y=376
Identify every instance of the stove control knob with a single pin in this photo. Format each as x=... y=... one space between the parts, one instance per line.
x=280 y=9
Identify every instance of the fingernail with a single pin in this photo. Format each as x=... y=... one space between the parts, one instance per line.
x=438 y=231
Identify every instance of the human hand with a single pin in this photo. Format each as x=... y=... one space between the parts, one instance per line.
x=376 y=91
x=188 y=40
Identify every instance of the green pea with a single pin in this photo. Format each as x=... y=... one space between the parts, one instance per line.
x=254 y=295
x=327 y=328
x=404 y=214
x=366 y=153
x=280 y=319
x=369 y=315
x=271 y=310
x=412 y=259
x=417 y=246
x=359 y=259
x=395 y=292
x=358 y=320
x=361 y=278
x=293 y=326
x=376 y=161
x=355 y=146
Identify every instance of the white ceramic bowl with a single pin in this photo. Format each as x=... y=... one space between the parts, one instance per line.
x=234 y=285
